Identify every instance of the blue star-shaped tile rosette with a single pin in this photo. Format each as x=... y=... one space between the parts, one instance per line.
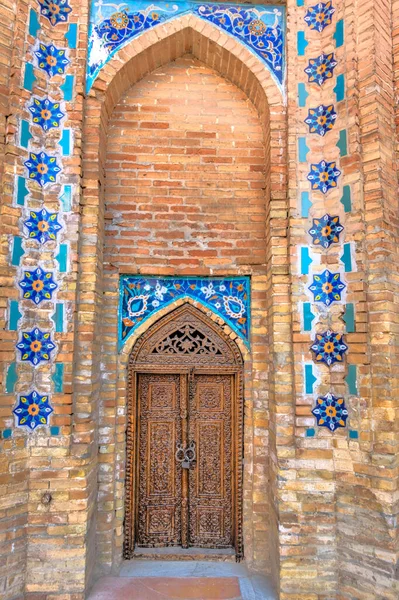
x=37 y=285
x=42 y=168
x=320 y=15
x=33 y=410
x=323 y=176
x=327 y=287
x=56 y=11
x=45 y=113
x=321 y=119
x=329 y=347
x=325 y=231
x=330 y=412
x=35 y=346
x=52 y=60
x=43 y=226
x=321 y=68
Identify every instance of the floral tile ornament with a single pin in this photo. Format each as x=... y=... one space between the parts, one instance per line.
x=321 y=119
x=37 y=285
x=32 y=410
x=330 y=412
x=323 y=176
x=35 y=346
x=140 y=297
x=42 y=168
x=56 y=11
x=260 y=28
x=329 y=347
x=320 y=15
x=52 y=60
x=321 y=68
x=45 y=113
x=326 y=231
x=43 y=226
x=327 y=287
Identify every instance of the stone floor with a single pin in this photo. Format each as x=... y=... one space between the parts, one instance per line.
x=182 y=580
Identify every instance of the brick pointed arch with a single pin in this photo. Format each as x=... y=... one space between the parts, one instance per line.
x=155 y=48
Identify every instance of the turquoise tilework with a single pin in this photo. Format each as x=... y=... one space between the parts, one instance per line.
x=306 y=261
x=349 y=318
x=346 y=199
x=58 y=378
x=342 y=143
x=22 y=190
x=302 y=43
x=339 y=33
x=310 y=379
x=351 y=379
x=302 y=94
x=339 y=88
x=13 y=316
x=29 y=77
x=17 y=251
x=11 y=378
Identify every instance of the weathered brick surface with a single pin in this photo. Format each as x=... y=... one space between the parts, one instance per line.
x=191 y=167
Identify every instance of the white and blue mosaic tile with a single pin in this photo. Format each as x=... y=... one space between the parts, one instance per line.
x=56 y=11
x=327 y=287
x=329 y=347
x=140 y=297
x=37 y=285
x=326 y=231
x=42 y=168
x=260 y=28
x=321 y=119
x=330 y=412
x=320 y=15
x=45 y=113
x=33 y=410
x=35 y=346
x=43 y=225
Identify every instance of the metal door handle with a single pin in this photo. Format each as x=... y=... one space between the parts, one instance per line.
x=185 y=456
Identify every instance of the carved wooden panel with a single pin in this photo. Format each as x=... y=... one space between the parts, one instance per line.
x=159 y=490
x=210 y=482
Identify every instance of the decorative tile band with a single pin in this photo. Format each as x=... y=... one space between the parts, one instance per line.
x=32 y=410
x=330 y=412
x=259 y=28
x=140 y=297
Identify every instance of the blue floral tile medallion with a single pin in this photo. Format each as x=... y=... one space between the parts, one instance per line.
x=325 y=231
x=42 y=168
x=321 y=119
x=329 y=347
x=323 y=176
x=32 y=410
x=321 y=68
x=140 y=297
x=35 y=346
x=43 y=225
x=45 y=113
x=56 y=11
x=260 y=28
x=52 y=60
x=320 y=15
x=330 y=412
x=37 y=285
x=327 y=287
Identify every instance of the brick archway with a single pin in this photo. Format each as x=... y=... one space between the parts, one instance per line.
x=141 y=56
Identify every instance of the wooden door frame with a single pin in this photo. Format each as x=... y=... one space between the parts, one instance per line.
x=134 y=369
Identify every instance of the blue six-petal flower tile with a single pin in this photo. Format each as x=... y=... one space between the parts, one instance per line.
x=43 y=225
x=33 y=410
x=42 y=168
x=323 y=176
x=326 y=231
x=321 y=119
x=45 y=113
x=37 y=285
x=330 y=412
x=327 y=287
x=56 y=11
x=321 y=68
x=320 y=15
x=35 y=346
x=52 y=60
x=329 y=347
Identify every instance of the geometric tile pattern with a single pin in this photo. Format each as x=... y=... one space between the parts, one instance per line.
x=321 y=119
x=327 y=287
x=56 y=11
x=326 y=231
x=323 y=176
x=140 y=297
x=37 y=285
x=32 y=410
x=52 y=60
x=35 y=346
x=42 y=168
x=45 y=113
x=43 y=225
x=320 y=15
x=321 y=68
x=330 y=412
x=329 y=347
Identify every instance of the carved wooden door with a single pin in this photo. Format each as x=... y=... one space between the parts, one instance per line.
x=211 y=486
x=159 y=514
x=185 y=391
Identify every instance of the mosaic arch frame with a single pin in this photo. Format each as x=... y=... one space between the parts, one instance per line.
x=260 y=28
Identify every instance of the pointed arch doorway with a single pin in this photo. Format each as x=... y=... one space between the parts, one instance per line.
x=184 y=436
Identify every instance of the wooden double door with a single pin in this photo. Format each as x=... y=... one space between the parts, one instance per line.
x=185 y=459
x=184 y=436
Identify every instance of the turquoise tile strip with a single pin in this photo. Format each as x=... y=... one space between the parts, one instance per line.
x=346 y=199
x=311 y=432
x=11 y=378
x=351 y=379
x=310 y=379
x=58 y=378
x=339 y=89
x=62 y=258
x=306 y=261
x=302 y=43
x=302 y=95
x=302 y=149
x=34 y=24
x=14 y=315
x=22 y=190
x=308 y=316
x=342 y=143
x=305 y=204
x=58 y=317
x=67 y=88
x=339 y=33
x=24 y=134
x=66 y=142
x=29 y=77
x=346 y=258
x=66 y=198
x=17 y=251
x=353 y=434
x=349 y=318
x=72 y=35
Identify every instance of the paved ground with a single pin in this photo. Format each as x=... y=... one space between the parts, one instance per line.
x=182 y=580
